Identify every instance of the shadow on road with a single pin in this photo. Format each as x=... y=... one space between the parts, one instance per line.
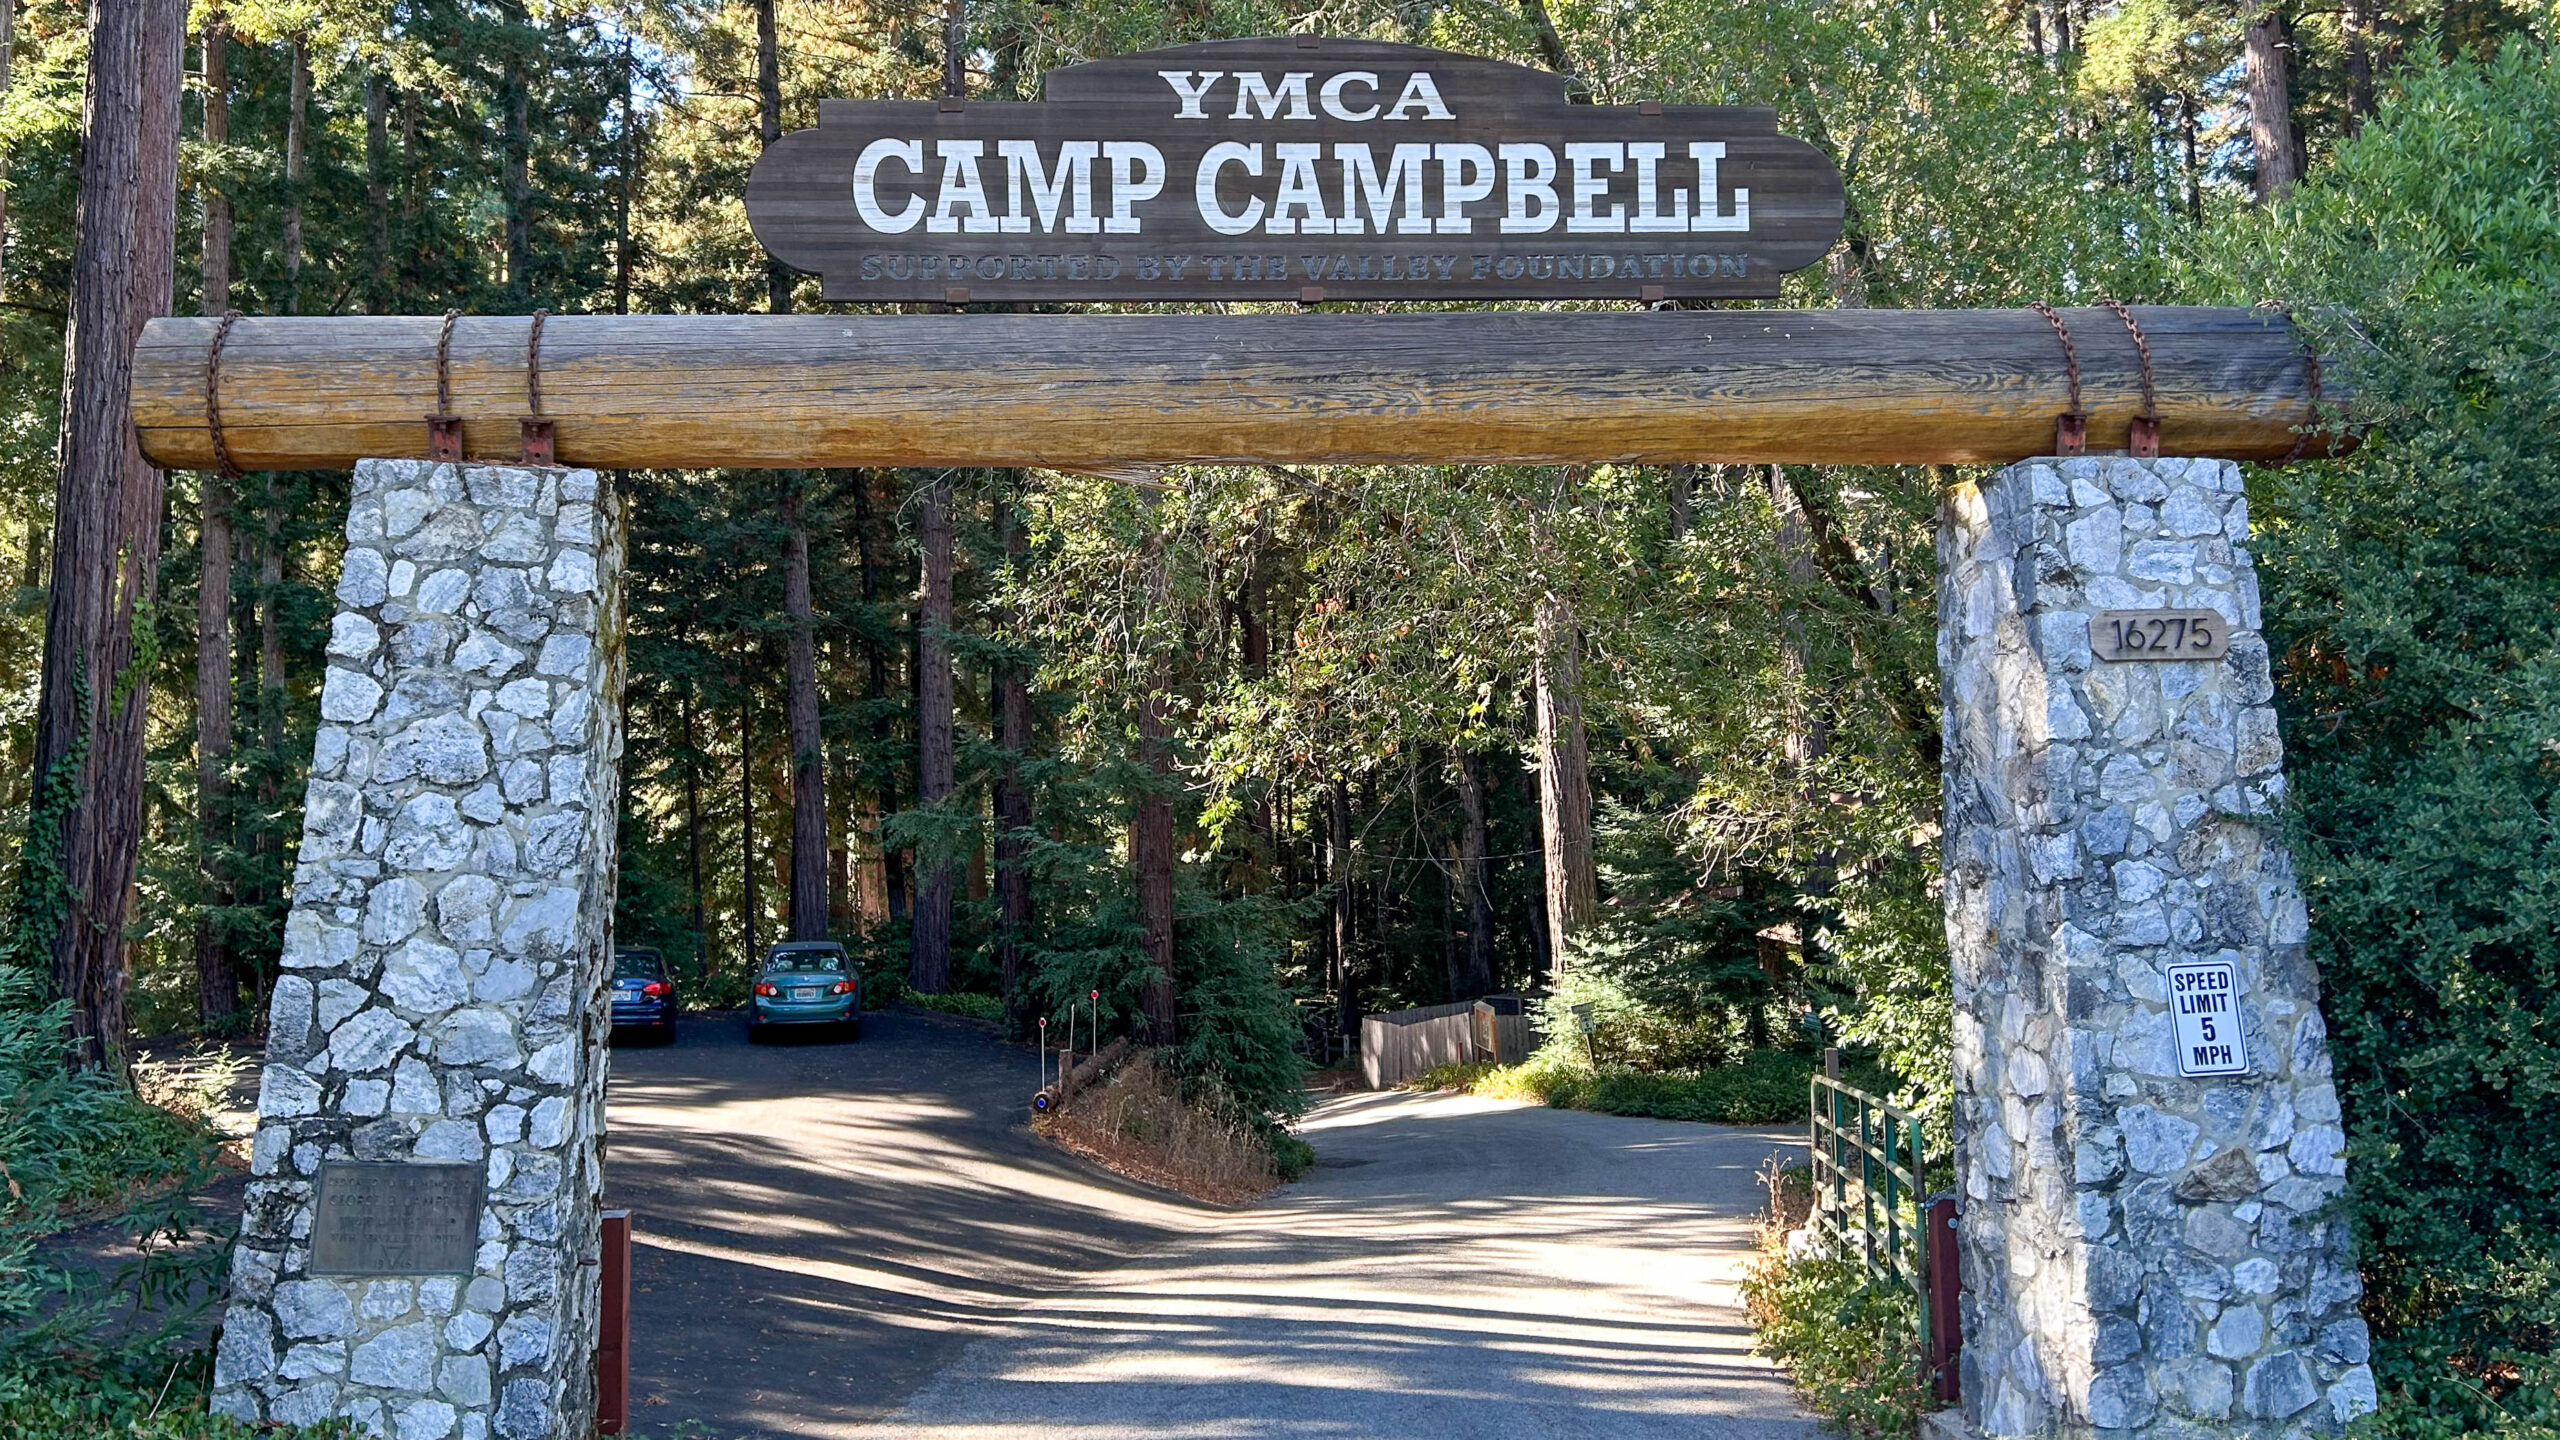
x=866 y=1238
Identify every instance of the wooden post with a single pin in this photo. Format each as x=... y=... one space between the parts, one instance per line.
x=1946 y=1331
x=613 y=1340
x=1832 y=387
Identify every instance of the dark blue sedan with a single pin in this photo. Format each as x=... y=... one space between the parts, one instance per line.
x=644 y=998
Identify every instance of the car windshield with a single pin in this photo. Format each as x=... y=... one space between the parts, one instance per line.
x=635 y=965
x=831 y=961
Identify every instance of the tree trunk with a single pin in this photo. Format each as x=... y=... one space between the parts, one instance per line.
x=1564 y=781
x=217 y=135
x=2355 y=23
x=1346 y=996
x=85 y=820
x=377 y=189
x=217 y=984
x=876 y=693
x=8 y=46
x=2271 y=132
x=929 y=969
x=955 y=50
x=271 y=696
x=1151 y=855
x=693 y=827
x=2194 y=172
x=1476 y=976
x=515 y=98
x=629 y=178
x=777 y=276
x=749 y=910
x=808 y=753
x=297 y=108
x=217 y=988
x=1542 y=27
x=1013 y=798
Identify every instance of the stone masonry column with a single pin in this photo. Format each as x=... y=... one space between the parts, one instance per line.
x=2146 y=1252
x=436 y=1060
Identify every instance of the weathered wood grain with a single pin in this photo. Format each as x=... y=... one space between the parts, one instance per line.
x=1845 y=387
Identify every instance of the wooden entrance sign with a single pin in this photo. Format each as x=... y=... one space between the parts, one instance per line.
x=1086 y=391
x=1294 y=168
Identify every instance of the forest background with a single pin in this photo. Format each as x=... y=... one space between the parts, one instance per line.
x=1659 y=740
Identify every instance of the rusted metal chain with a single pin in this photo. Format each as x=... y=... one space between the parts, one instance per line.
x=534 y=434
x=2144 y=439
x=2071 y=427
x=213 y=396
x=444 y=428
x=533 y=362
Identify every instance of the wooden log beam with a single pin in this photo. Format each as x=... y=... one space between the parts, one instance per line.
x=1099 y=391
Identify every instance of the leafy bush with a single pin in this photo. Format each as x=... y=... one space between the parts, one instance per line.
x=976 y=1007
x=2413 y=593
x=1852 y=1347
x=80 y=1356
x=133 y=1403
x=1767 y=1087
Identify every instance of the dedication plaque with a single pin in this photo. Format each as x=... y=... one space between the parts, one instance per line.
x=395 y=1219
x=2159 y=635
x=2204 y=1006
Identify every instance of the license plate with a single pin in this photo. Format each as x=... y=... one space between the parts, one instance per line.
x=804 y=992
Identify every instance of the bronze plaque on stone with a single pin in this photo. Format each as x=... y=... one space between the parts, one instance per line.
x=372 y=1218
x=1294 y=167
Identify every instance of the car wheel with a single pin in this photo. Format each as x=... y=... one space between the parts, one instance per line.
x=755 y=1032
x=853 y=1028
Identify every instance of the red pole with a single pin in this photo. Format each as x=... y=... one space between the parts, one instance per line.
x=613 y=1341
x=1946 y=1338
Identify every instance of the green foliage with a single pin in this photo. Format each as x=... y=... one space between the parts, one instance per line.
x=1852 y=1347
x=2413 y=593
x=1237 y=1037
x=67 y=1406
x=976 y=1007
x=1767 y=1087
x=83 y=1355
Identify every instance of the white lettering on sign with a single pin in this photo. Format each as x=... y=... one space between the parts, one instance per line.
x=1347 y=188
x=2204 y=1008
x=1258 y=96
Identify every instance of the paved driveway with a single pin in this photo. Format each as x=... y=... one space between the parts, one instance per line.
x=864 y=1240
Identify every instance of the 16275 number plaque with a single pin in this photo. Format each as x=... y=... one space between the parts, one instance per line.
x=2159 y=635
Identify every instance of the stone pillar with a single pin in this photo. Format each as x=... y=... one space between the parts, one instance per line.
x=2145 y=1253
x=442 y=1001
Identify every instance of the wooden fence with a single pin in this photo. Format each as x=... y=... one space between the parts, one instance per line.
x=1400 y=1044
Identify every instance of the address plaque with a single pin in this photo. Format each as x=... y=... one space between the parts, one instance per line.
x=2159 y=635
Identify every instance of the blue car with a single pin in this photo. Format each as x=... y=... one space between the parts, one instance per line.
x=806 y=982
x=644 y=997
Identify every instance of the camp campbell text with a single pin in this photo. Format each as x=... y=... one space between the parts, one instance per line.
x=1205 y=171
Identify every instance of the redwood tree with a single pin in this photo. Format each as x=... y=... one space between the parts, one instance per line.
x=85 y=825
x=217 y=986
x=808 y=755
x=929 y=963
